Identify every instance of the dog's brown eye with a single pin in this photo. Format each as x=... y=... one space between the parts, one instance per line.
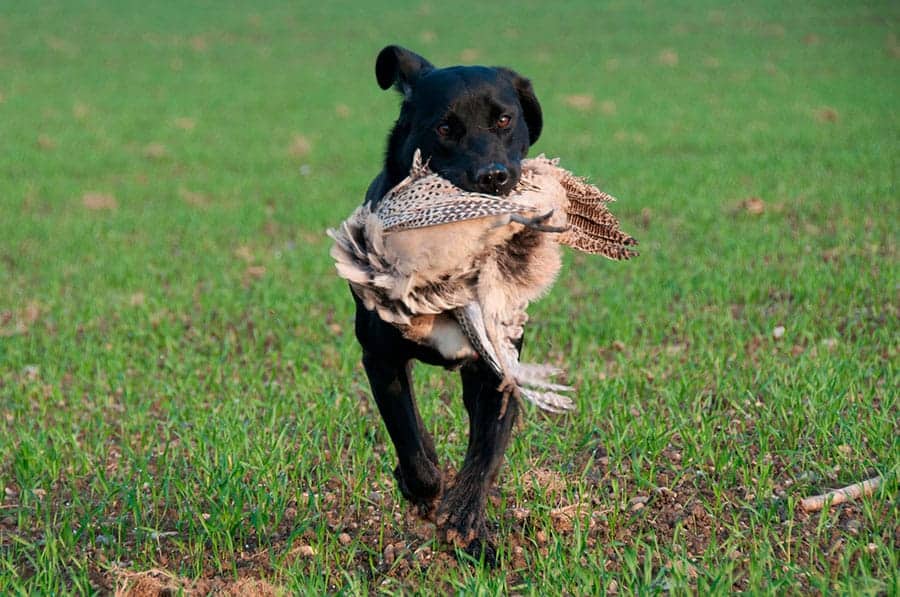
x=443 y=129
x=503 y=121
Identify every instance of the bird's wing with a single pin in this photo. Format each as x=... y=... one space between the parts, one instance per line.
x=592 y=227
x=375 y=280
x=598 y=233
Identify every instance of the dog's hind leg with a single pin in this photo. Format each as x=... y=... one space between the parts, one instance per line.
x=461 y=513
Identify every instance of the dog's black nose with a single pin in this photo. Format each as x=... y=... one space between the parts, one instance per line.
x=492 y=178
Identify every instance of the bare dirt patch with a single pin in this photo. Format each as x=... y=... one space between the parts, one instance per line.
x=827 y=114
x=99 y=201
x=580 y=101
x=300 y=146
x=161 y=583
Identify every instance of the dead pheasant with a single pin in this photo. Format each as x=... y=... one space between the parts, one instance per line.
x=456 y=270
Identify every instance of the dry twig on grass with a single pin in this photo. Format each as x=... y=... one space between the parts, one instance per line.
x=839 y=496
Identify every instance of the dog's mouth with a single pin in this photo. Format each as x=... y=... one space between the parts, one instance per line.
x=499 y=189
x=478 y=182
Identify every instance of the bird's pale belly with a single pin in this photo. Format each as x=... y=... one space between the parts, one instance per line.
x=442 y=333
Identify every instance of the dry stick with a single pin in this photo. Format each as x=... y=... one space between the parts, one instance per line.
x=839 y=496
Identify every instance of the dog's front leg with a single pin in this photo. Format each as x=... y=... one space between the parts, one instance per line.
x=387 y=358
x=461 y=513
x=417 y=474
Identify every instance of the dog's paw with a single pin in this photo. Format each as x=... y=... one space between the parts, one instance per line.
x=460 y=521
x=482 y=550
x=422 y=488
x=472 y=541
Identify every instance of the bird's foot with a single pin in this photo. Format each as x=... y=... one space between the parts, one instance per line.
x=508 y=387
x=538 y=222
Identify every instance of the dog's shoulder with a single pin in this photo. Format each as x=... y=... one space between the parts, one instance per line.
x=377 y=189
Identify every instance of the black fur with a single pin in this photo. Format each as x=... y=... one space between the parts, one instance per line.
x=469 y=99
x=455 y=116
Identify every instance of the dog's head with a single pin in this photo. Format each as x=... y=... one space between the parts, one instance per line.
x=473 y=123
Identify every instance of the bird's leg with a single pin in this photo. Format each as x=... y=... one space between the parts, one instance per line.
x=508 y=387
x=537 y=222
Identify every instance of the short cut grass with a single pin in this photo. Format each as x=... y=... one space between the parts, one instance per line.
x=180 y=387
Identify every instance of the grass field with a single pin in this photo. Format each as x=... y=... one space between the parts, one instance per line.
x=180 y=389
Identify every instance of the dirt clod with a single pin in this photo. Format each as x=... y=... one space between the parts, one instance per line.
x=306 y=551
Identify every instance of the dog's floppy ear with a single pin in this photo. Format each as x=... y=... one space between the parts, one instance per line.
x=531 y=108
x=399 y=67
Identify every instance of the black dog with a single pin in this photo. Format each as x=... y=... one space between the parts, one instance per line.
x=474 y=124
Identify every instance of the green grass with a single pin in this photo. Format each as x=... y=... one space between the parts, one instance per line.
x=179 y=383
